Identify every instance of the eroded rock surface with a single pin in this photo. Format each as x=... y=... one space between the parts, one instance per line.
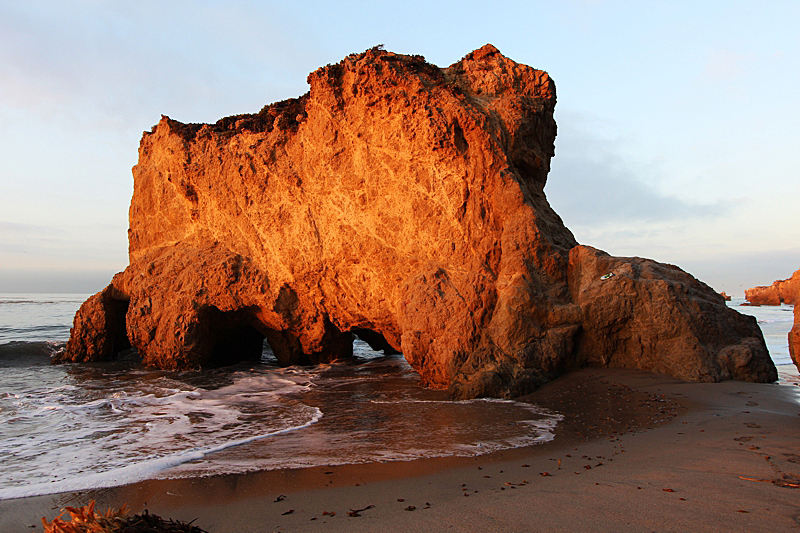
x=405 y=203
x=782 y=291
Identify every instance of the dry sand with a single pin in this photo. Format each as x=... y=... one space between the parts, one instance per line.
x=636 y=452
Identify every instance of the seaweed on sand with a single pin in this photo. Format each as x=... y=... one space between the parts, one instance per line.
x=85 y=520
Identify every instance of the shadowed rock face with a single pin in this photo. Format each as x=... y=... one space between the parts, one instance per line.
x=405 y=203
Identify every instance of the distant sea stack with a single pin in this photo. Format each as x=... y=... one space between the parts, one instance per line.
x=403 y=203
x=782 y=291
x=785 y=291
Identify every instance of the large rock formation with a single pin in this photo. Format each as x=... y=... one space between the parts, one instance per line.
x=782 y=291
x=404 y=203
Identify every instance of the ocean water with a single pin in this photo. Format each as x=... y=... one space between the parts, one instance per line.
x=775 y=322
x=80 y=426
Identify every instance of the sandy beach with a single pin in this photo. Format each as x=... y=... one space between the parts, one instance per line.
x=635 y=452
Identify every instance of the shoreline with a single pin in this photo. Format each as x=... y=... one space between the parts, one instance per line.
x=636 y=451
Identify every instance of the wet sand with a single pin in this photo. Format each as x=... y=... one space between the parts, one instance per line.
x=635 y=452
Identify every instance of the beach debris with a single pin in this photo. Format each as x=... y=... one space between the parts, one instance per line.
x=357 y=512
x=328 y=513
x=794 y=484
x=411 y=508
x=528 y=466
x=545 y=474
x=290 y=511
x=146 y=522
x=607 y=276
x=280 y=498
x=668 y=490
x=401 y=499
x=428 y=505
x=85 y=520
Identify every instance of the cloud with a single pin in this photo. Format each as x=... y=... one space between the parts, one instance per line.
x=592 y=183
x=82 y=281
x=734 y=273
x=26 y=230
x=68 y=246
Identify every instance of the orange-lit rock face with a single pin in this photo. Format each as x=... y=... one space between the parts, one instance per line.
x=782 y=291
x=405 y=203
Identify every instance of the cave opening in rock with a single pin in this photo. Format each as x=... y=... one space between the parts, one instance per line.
x=267 y=354
x=240 y=343
x=288 y=350
x=375 y=340
x=117 y=309
x=234 y=336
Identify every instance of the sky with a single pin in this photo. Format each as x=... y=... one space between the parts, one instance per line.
x=678 y=122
